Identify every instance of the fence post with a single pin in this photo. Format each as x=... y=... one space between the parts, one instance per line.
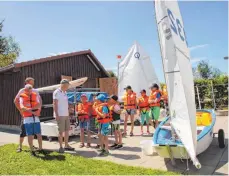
x=197 y=91
x=213 y=95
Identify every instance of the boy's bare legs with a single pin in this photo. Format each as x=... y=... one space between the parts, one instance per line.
x=119 y=133
x=39 y=139
x=132 y=123
x=82 y=136
x=116 y=136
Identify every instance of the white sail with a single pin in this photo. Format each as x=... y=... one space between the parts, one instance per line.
x=136 y=70
x=178 y=74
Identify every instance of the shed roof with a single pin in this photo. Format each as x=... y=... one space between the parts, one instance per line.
x=51 y=58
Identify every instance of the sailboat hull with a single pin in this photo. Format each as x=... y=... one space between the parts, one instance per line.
x=165 y=147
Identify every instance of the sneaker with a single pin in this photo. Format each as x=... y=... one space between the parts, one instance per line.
x=119 y=146
x=33 y=153
x=106 y=153
x=61 y=150
x=101 y=149
x=131 y=134
x=18 y=150
x=114 y=145
x=69 y=148
x=35 y=148
x=42 y=152
x=102 y=152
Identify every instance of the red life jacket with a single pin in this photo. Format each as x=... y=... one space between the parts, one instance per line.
x=153 y=96
x=83 y=110
x=30 y=101
x=143 y=103
x=107 y=117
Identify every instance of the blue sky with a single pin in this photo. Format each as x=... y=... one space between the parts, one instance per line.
x=110 y=28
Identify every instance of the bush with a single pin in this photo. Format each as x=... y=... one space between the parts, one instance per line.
x=220 y=88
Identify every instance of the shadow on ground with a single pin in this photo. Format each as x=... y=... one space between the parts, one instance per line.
x=214 y=161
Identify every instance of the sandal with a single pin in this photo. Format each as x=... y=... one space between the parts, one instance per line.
x=88 y=145
x=97 y=146
x=81 y=145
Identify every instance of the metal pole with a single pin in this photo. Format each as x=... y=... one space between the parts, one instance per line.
x=197 y=91
x=213 y=96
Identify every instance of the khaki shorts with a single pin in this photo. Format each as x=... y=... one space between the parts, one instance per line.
x=63 y=124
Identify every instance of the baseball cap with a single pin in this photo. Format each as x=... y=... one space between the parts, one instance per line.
x=128 y=87
x=101 y=97
x=154 y=86
x=83 y=95
x=64 y=81
x=114 y=97
x=28 y=86
x=143 y=91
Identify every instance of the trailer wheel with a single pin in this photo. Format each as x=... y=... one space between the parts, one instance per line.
x=221 y=138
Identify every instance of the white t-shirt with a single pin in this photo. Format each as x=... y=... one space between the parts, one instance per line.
x=62 y=106
x=23 y=90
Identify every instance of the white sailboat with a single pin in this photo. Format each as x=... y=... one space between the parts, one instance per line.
x=136 y=70
x=178 y=136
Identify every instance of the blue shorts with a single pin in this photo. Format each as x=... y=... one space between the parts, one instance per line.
x=85 y=123
x=104 y=129
x=130 y=111
x=32 y=128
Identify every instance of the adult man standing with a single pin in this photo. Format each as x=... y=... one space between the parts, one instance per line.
x=61 y=113
x=30 y=81
x=30 y=108
x=130 y=104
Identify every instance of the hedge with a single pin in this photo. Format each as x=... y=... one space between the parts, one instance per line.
x=220 y=88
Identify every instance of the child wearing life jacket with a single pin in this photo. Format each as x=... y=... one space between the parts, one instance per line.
x=83 y=110
x=104 y=120
x=143 y=105
x=115 y=112
x=154 y=103
x=130 y=103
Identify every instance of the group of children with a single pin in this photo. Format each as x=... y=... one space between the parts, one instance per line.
x=107 y=111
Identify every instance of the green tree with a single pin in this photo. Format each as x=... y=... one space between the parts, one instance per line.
x=9 y=49
x=205 y=71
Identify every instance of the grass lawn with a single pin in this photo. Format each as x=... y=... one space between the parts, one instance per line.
x=55 y=163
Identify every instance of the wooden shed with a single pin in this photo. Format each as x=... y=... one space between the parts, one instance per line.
x=46 y=71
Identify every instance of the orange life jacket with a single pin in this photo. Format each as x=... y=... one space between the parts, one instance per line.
x=107 y=117
x=153 y=96
x=143 y=103
x=129 y=101
x=83 y=110
x=30 y=101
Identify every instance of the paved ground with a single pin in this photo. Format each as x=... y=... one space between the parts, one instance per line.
x=214 y=160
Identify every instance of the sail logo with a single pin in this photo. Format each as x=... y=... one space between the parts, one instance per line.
x=176 y=26
x=166 y=31
x=137 y=55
